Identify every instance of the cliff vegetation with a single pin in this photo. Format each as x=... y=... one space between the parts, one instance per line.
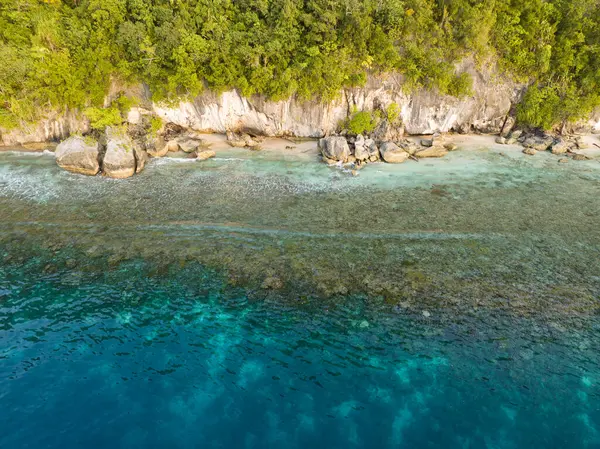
x=60 y=54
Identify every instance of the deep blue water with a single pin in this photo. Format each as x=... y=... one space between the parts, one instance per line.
x=135 y=314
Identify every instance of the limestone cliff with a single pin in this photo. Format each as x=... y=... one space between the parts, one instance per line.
x=422 y=111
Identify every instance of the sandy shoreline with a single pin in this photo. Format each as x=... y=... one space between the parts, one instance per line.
x=304 y=146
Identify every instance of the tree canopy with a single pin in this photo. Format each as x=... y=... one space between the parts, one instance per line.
x=64 y=53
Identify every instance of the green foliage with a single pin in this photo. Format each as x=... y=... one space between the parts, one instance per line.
x=156 y=125
x=362 y=123
x=60 y=54
x=393 y=113
x=100 y=118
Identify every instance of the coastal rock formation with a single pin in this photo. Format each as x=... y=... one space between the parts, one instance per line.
x=141 y=157
x=242 y=140
x=434 y=151
x=335 y=148
x=79 y=154
x=392 y=153
x=205 y=154
x=119 y=160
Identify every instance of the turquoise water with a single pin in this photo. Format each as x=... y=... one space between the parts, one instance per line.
x=263 y=300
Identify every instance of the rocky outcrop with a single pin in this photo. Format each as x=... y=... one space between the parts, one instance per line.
x=335 y=148
x=79 y=154
x=392 y=153
x=433 y=151
x=205 y=154
x=243 y=140
x=119 y=160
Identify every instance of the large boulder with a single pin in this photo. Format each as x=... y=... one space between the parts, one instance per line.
x=188 y=144
x=335 y=148
x=410 y=147
x=119 y=159
x=392 y=153
x=157 y=147
x=79 y=154
x=141 y=157
x=361 y=151
x=434 y=151
x=242 y=140
x=563 y=146
x=538 y=143
x=205 y=154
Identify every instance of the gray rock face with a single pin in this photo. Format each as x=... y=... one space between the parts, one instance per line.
x=79 y=155
x=119 y=159
x=335 y=148
x=392 y=153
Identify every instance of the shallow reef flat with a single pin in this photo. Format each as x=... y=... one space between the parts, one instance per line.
x=262 y=300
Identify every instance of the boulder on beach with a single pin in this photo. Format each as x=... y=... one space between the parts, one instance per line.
x=172 y=146
x=361 y=151
x=79 y=154
x=205 y=154
x=538 y=143
x=119 y=159
x=562 y=147
x=435 y=151
x=335 y=148
x=530 y=151
x=242 y=140
x=157 y=147
x=141 y=157
x=409 y=146
x=392 y=153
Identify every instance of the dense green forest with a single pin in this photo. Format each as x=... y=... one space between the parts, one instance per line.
x=63 y=53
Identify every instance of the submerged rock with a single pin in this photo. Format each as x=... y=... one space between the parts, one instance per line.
x=436 y=151
x=580 y=157
x=119 y=159
x=392 y=153
x=79 y=154
x=335 y=148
